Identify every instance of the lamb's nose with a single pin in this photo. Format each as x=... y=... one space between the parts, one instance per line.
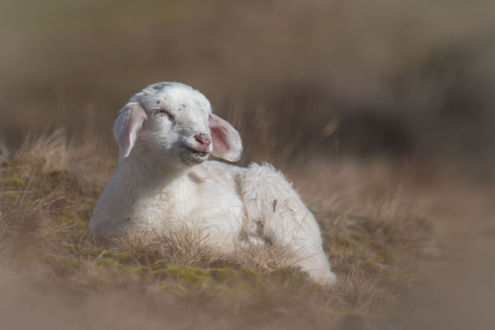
x=203 y=139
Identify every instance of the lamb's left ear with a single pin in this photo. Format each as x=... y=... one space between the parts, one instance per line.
x=227 y=143
x=127 y=126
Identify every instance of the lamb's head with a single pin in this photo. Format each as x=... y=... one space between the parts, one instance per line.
x=172 y=123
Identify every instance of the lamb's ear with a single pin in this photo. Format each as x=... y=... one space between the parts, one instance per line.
x=227 y=143
x=127 y=126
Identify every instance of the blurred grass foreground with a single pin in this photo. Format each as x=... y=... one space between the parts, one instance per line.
x=380 y=112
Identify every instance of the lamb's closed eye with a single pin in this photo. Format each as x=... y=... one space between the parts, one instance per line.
x=164 y=112
x=165 y=182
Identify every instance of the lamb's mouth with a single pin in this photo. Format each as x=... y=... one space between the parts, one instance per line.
x=195 y=155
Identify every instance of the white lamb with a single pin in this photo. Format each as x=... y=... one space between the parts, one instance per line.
x=164 y=182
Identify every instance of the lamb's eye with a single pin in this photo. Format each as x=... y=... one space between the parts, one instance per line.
x=164 y=112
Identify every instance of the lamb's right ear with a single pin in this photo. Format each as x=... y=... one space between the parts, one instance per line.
x=227 y=143
x=127 y=126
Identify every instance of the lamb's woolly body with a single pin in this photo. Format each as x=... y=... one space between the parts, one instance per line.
x=160 y=186
x=203 y=197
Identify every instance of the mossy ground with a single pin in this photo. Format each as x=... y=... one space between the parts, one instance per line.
x=46 y=205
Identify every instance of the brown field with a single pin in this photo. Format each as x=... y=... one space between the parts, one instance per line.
x=381 y=114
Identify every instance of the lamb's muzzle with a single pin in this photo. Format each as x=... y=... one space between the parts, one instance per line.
x=203 y=140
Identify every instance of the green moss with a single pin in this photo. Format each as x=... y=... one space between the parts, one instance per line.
x=136 y=271
x=294 y=278
x=225 y=275
x=69 y=247
x=108 y=262
x=69 y=262
x=92 y=251
x=282 y=273
x=249 y=274
x=68 y=218
x=120 y=257
x=251 y=280
x=123 y=269
x=154 y=256
x=158 y=264
x=13 y=181
x=160 y=274
x=187 y=275
x=289 y=275
x=139 y=270
x=11 y=196
x=150 y=257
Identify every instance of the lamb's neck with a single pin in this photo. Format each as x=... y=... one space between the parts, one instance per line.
x=145 y=177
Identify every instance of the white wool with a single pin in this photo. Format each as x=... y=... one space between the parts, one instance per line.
x=164 y=182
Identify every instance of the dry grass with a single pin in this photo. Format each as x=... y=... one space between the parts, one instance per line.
x=48 y=189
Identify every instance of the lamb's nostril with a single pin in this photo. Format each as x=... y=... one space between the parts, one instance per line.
x=203 y=139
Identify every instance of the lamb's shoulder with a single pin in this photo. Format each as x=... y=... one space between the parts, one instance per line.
x=217 y=173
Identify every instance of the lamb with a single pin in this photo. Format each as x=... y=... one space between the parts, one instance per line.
x=164 y=182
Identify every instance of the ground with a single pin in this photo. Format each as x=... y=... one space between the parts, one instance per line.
x=383 y=230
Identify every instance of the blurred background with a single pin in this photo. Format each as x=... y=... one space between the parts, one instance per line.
x=345 y=77
x=341 y=83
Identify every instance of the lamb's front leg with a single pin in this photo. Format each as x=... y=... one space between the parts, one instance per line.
x=270 y=200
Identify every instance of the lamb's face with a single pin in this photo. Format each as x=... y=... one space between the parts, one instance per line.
x=173 y=123
x=177 y=125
